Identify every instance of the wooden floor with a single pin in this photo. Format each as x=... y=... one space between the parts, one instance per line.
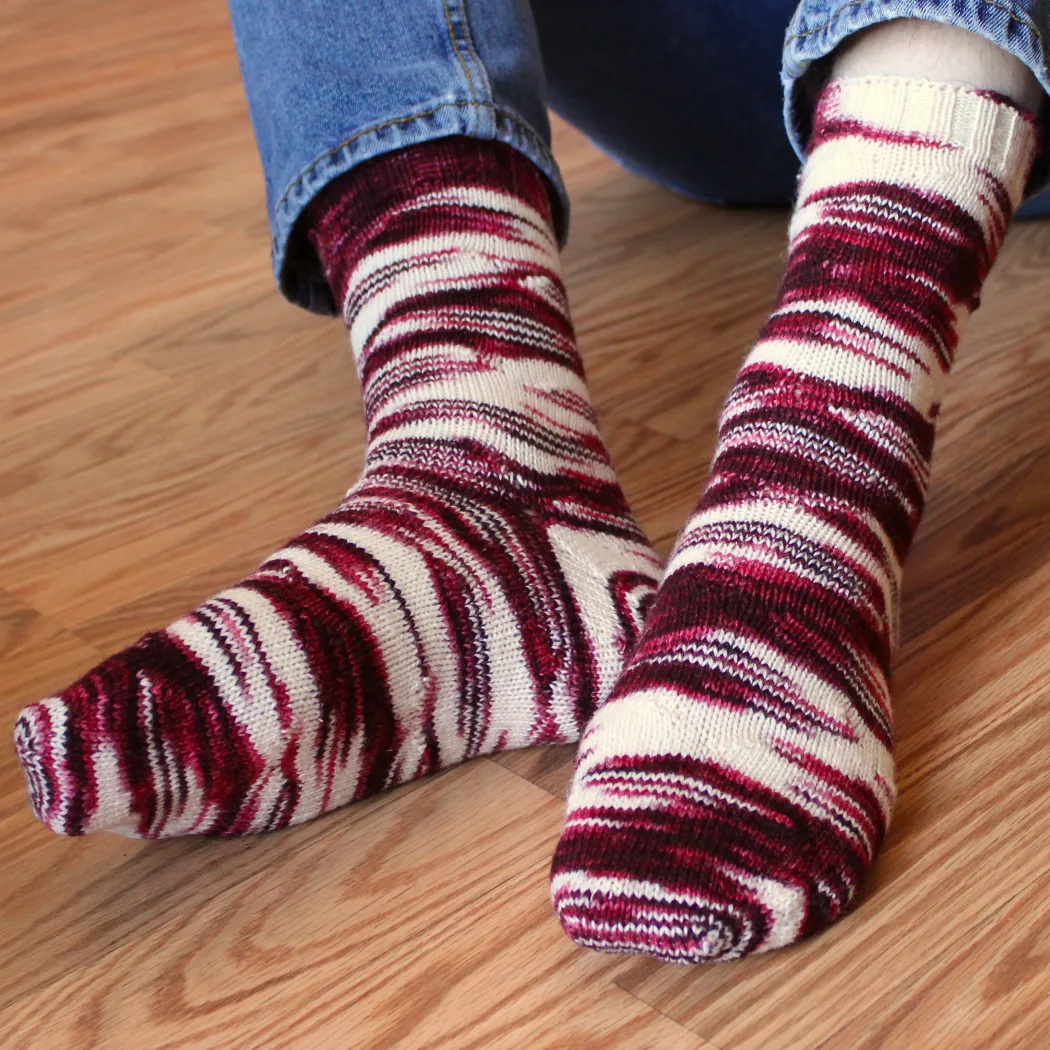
x=166 y=421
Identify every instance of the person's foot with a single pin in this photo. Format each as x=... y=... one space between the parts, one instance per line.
x=733 y=791
x=477 y=589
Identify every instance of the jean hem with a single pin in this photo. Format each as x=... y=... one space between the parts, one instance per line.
x=806 y=45
x=295 y=265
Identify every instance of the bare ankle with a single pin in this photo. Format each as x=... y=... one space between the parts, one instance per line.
x=910 y=47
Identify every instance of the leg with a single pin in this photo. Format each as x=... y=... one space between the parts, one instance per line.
x=911 y=47
x=734 y=790
x=333 y=83
x=685 y=94
x=478 y=587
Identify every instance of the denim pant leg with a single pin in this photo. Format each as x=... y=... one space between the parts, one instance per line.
x=687 y=94
x=684 y=92
x=1021 y=27
x=332 y=83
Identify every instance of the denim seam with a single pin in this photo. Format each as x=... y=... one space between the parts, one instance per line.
x=512 y=117
x=463 y=64
x=1008 y=8
x=830 y=22
x=478 y=63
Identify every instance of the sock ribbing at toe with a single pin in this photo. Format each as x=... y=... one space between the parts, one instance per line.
x=734 y=790
x=475 y=591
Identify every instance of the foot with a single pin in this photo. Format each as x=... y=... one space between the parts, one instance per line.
x=475 y=591
x=733 y=792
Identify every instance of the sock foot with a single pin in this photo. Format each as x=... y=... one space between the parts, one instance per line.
x=477 y=590
x=732 y=793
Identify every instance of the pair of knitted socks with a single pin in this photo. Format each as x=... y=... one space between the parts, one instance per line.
x=484 y=585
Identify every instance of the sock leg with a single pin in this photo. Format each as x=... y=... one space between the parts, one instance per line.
x=734 y=790
x=476 y=590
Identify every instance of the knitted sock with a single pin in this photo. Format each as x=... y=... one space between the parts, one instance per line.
x=733 y=791
x=476 y=590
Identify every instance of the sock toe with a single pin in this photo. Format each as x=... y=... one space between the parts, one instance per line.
x=702 y=876
x=67 y=746
x=626 y=916
x=38 y=749
x=133 y=746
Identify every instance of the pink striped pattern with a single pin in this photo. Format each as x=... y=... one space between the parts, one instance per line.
x=733 y=792
x=476 y=590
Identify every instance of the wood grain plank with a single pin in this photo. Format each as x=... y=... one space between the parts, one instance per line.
x=166 y=421
x=968 y=837
x=988 y=992
x=36 y=654
x=168 y=524
x=66 y=903
x=304 y=953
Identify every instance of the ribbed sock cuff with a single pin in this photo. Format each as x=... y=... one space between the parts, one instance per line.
x=995 y=133
x=343 y=218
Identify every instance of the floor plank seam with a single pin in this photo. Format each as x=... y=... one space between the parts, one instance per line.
x=708 y=1045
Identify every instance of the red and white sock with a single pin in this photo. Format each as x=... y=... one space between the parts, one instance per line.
x=734 y=790
x=477 y=589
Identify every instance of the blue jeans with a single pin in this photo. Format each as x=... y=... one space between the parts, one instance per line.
x=681 y=91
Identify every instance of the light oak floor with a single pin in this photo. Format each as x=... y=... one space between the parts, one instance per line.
x=166 y=421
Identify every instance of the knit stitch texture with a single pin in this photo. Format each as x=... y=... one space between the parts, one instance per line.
x=476 y=590
x=733 y=792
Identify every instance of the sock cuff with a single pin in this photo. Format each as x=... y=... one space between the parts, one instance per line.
x=347 y=214
x=993 y=131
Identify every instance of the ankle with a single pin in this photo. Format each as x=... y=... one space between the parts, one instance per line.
x=346 y=220
x=921 y=49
